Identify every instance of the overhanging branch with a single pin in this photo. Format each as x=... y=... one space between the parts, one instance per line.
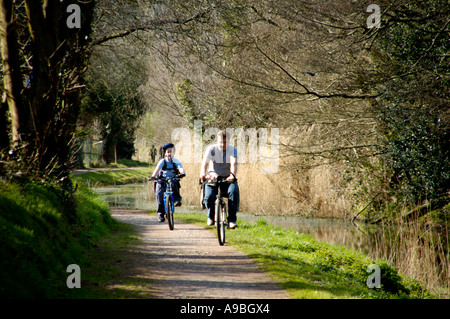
x=151 y=26
x=311 y=92
x=306 y=92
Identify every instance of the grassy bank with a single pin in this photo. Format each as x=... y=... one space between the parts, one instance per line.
x=40 y=236
x=116 y=176
x=42 y=231
x=311 y=269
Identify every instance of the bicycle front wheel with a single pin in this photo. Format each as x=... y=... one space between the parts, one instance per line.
x=220 y=214
x=169 y=212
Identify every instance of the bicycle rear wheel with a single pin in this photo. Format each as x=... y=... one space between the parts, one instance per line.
x=220 y=214
x=169 y=212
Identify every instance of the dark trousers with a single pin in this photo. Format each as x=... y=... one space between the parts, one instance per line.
x=231 y=191
x=159 y=193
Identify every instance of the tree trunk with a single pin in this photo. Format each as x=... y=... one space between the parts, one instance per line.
x=12 y=76
x=4 y=137
x=45 y=83
x=109 y=149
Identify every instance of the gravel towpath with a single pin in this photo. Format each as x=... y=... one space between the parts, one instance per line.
x=189 y=263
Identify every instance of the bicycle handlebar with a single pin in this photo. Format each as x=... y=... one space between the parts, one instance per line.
x=175 y=178
x=219 y=179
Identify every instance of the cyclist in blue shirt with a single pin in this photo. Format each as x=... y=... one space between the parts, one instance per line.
x=167 y=167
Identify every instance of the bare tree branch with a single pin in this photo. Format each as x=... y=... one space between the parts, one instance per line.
x=152 y=25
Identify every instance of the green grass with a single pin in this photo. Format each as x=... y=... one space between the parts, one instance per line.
x=307 y=268
x=123 y=162
x=41 y=235
x=114 y=177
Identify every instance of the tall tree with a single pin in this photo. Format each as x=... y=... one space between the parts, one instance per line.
x=44 y=54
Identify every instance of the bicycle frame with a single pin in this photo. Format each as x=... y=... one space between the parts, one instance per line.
x=219 y=195
x=168 y=195
x=168 y=192
x=220 y=210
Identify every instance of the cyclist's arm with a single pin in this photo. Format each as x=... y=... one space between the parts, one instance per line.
x=204 y=167
x=233 y=168
x=181 y=172
x=158 y=168
x=180 y=167
x=156 y=172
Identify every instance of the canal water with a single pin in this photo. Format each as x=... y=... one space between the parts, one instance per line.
x=418 y=252
x=339 y=232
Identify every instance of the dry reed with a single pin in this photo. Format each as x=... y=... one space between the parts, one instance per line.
x=419 y=252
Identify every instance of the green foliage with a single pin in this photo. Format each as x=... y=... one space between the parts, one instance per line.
x=38 y=242
x=417 y=146
x=118 y=112
x=413 y=110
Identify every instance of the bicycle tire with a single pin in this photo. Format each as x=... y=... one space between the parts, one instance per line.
x=220 y=216
x=169 y=212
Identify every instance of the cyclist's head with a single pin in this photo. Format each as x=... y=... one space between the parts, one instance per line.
x=168 y=149
x=222 y=139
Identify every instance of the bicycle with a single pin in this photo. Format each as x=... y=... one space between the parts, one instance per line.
x=220 y=209
x=169 y=207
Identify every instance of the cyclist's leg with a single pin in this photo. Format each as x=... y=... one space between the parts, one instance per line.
x=233 y=201
x=210 y=197
x=159 y=193
x=176 y=193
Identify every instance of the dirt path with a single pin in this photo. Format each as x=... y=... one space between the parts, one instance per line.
x=189 y=263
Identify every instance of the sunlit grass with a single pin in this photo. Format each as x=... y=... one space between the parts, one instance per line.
x=114 y=177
